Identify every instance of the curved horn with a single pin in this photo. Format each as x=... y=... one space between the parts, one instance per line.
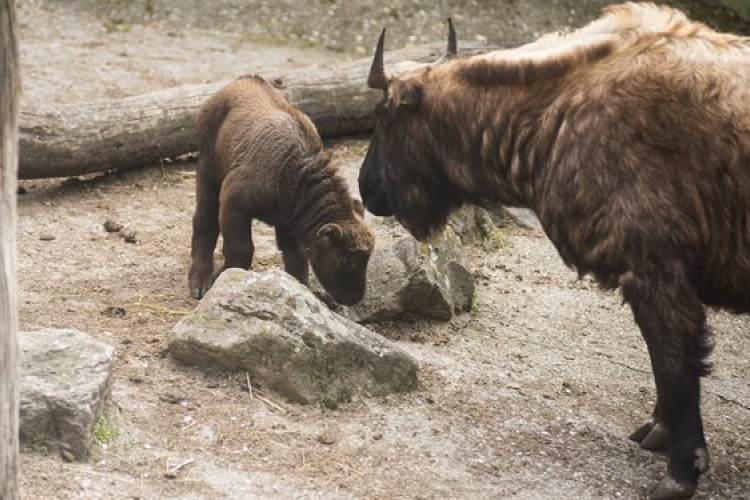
x=452 y=50
x=377 y=78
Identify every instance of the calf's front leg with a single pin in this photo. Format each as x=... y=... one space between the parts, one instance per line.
x=295 y=258
x=236 y=228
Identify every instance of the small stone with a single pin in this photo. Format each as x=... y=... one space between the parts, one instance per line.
x=111 y=226
x=47 y=237
x=328 y=436
x=129 y=236
x=114 y=312
x=170 y=398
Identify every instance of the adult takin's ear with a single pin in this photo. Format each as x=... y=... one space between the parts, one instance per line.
x=405 y=94
x=359 y=207
x=331 y=230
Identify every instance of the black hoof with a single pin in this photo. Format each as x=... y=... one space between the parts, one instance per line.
x=657 y=439
x=641 y=432
x=669 y=488
x=652 y=436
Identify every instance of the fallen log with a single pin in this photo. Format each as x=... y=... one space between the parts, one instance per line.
x=97 y=136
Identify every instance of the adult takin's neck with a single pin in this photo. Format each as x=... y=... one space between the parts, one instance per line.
x=492 y=141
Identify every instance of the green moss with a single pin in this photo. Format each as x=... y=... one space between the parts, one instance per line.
x=241 y=311
x=496 y=240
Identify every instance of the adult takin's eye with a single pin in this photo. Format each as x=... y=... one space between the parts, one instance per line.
x=344 y=262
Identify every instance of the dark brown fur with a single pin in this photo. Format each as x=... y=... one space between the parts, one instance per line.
x=261 y=158
x=636 y=160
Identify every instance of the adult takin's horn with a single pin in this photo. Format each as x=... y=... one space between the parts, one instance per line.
x=377 y=78
x=452 y=50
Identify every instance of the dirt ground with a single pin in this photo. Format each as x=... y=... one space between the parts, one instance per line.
x=532 y=398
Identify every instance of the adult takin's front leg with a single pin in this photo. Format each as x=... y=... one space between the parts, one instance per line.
x=205 y=232
x=236 y=228
x=296 y=261
x=673 y=324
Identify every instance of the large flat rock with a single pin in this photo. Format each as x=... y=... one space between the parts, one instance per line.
x=64 y=382
x=271 y=326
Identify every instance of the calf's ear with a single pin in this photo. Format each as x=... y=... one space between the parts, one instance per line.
x=331 y=230
x=359 y=207
x=405 y=94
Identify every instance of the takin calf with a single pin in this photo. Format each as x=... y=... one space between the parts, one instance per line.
x=260 y=157
x=630 y=139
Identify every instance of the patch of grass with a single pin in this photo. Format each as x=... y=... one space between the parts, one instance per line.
x=117 y=26
x=496 y=240
x=474 y=302
x=104 y=431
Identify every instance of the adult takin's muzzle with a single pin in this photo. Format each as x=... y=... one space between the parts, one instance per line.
x=371 y=186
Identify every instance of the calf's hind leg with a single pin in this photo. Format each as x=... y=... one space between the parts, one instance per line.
x=673 y=324
x=296 y=262
x=205 y=232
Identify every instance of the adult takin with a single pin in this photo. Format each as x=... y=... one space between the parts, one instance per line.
x=630 y=139
x=261 y=158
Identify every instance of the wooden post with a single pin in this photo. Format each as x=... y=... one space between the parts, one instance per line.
x=9 y=90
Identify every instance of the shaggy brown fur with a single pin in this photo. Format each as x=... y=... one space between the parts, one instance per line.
x=630 y=138
x=260 y=157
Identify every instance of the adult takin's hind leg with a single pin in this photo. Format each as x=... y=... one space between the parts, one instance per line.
x=205 y=232
x=296 y=261
x=673 y=324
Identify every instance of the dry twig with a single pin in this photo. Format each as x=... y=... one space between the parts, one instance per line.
x=271 y=403
x=172 y=472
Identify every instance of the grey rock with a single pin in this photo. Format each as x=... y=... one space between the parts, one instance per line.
x=64 y=382
x=271 y=326
x=472 y=224
x=523 y=217
x=419 y=279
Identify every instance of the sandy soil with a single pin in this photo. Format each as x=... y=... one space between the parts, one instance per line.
x=532 y=398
